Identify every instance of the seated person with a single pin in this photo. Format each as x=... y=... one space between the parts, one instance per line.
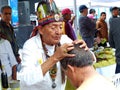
x=8 y=59
x=81 y=73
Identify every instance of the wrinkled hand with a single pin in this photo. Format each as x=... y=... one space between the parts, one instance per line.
x=82 y=42
x=61 y=52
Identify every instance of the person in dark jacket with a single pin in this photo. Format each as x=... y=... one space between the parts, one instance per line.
x=115 y=13
x=114 y=41
x=7 y=31
x=86 y=26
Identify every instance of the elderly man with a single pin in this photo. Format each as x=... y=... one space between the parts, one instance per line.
x=41 y=54
x=81 y=72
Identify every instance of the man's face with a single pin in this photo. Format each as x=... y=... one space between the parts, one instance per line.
x=6 y=15
x=85 y=11
x=51 y=33
x=103 y=16
x=115 y=12
x=67 y=16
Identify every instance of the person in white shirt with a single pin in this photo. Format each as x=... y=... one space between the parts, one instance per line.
x=8 y=59
x=81 y=73
x=40 y=69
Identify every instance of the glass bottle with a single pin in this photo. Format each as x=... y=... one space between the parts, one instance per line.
x=4 y=79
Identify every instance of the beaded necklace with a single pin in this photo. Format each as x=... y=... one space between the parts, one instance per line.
x=53 y=70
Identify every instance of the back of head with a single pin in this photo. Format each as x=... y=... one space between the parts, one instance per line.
x=82 y=7
x=82 y=58
x=113 y=8
x=47 y=12
x=92 y=11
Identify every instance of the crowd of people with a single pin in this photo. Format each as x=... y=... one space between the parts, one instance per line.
x=53 y=50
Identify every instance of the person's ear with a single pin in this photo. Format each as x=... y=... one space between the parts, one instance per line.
x=94 y=58
x=70 y=68
x=40 y=29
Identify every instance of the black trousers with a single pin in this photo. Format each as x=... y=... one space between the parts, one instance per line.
x=104 y=45
x=117 y=68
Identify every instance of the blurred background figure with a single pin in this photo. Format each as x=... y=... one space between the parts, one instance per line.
x=92 y=14
x=114 y=12
x=87 y=27
x=67 y=24
x=7 y=30
x=0 y=16
x=102 y=28
x=114 y=41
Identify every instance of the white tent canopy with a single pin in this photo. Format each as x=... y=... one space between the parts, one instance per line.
x=89 y=3
x=105 y=1
x=111 y=3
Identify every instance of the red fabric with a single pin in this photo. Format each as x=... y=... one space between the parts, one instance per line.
x=66 y=11
x=34 y=32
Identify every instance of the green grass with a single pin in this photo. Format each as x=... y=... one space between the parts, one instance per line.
x=69 y=86
x=78 y=35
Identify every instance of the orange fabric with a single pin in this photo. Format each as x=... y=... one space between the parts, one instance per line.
x=103 y=29
x=63 y=28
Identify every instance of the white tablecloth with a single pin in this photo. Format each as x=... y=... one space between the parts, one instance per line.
x=107 y=71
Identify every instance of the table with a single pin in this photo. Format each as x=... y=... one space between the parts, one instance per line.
x=13 y=85
x=107 y=71
x=69 y=86
x=106 y=63
x=106 y=68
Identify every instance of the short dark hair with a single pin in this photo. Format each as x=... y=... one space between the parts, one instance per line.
x=92 y=11
x=82 y=7
x=4 y=7
x=114 y=8
x=82 y=58
x=102 y=13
